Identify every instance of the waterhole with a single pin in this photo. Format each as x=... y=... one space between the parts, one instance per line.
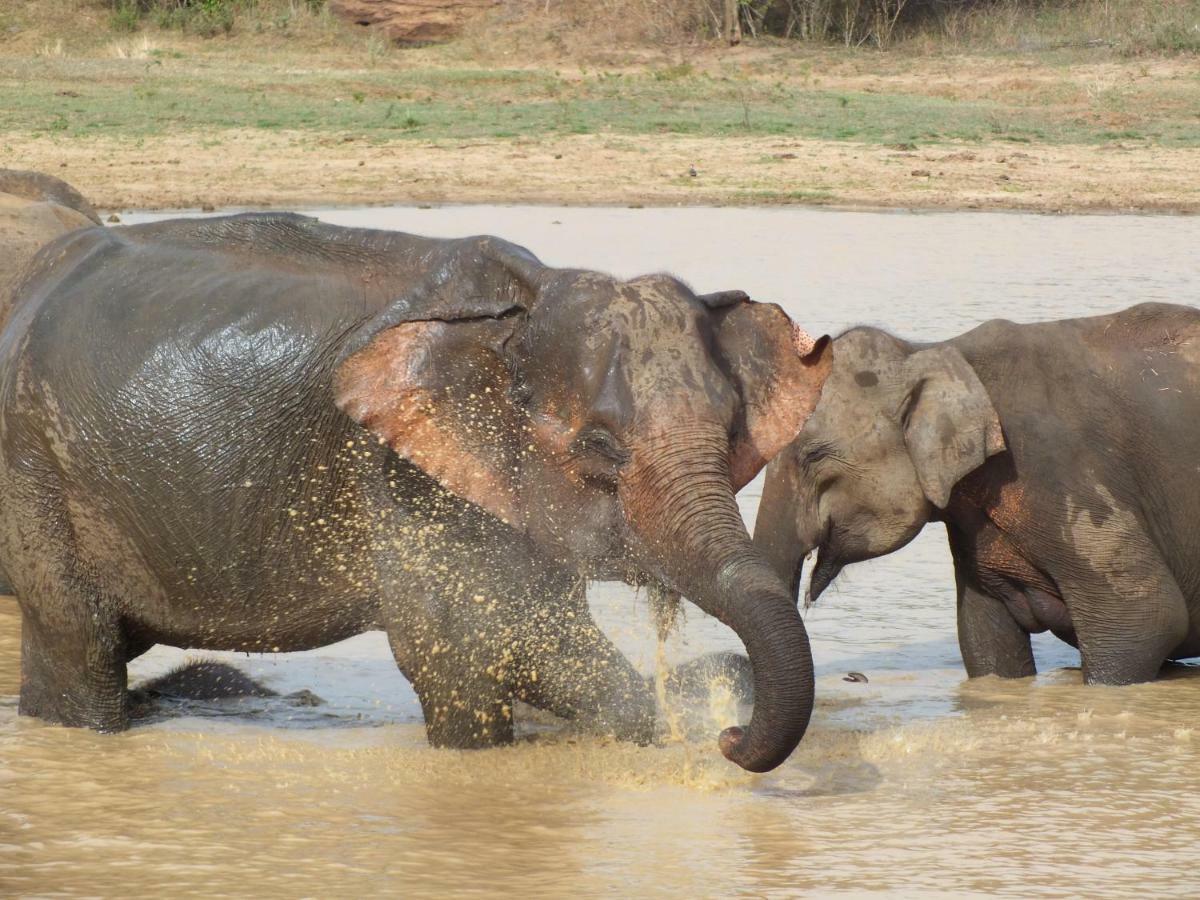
x=914 y=781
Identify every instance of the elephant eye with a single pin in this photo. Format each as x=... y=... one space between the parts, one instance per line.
x=598 y=442
x=813 y=455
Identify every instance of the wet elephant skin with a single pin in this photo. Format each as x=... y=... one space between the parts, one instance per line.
x=264 y=433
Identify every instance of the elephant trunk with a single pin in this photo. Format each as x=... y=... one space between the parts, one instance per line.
x=775 y=529
x=681 y=506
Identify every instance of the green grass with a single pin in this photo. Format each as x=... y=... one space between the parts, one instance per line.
x=165 y=94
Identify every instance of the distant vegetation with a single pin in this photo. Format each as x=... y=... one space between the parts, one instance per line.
x=206 y=18
x=1128 y=27
x=1132 y=26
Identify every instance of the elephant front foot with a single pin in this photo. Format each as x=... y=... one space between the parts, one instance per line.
x=465 y=716
x=606 y=697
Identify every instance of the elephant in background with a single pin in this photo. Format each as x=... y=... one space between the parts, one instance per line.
x=262 y=432
x=1061 y=456
x=44 y=188
x=205 y=680
x=34 y=209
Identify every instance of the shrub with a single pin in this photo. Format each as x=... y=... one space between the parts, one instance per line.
x=1130 y=26
x=125 y=16
x=206 y=18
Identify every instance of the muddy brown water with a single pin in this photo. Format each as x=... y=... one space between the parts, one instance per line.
x=916 y=783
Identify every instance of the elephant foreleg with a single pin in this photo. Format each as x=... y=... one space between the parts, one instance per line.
x=465 y=704
x=568 y=666
x=990 y=639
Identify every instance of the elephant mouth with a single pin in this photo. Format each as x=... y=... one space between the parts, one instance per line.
x=830 y=562
x=618 y=561
x=615 y=569
x=827 y=569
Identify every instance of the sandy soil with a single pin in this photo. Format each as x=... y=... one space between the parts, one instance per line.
x=256 y=168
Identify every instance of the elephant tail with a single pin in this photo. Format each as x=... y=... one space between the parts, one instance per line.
x=5 y=585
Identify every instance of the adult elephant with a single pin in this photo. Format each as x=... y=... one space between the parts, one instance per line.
x=191 y=421
x=34 y=209
x=1061 y=457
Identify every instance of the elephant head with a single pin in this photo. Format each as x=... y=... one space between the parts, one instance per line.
x=611 y=421
x=896 y=428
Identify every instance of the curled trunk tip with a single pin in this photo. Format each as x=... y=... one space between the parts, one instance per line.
x=681 y=503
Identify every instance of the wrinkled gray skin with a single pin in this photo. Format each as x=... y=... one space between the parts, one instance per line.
x=34 y=210
x=264 y=433
x=1059 y=455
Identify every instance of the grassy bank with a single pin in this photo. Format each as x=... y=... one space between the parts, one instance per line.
x=176 y=92
x=78 y=93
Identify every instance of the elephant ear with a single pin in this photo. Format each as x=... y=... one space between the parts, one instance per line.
x=429 y=376
x=779 y=371
x=950 y=424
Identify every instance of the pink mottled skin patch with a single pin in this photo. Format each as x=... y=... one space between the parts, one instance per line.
x=802 y=340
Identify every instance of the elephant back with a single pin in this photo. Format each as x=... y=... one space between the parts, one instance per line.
x=39 y=186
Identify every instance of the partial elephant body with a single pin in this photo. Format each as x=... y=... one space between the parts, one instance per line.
x=203 y=681
x=202 y=490
x=34 y=209
x=176 y=466
x=42 y=188
x=1060 y=457
x=1085 y=527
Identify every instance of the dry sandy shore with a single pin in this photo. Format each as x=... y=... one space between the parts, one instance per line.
x=294 y=169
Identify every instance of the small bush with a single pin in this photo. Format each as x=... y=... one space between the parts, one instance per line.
x=125 y=16
x=206 y=18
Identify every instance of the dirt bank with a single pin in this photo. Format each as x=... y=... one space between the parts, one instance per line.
x=256 y=168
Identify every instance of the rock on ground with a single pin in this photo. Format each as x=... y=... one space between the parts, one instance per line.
x=412 y=21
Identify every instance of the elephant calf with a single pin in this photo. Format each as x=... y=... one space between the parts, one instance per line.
x=265 y=433
x=1061 y=456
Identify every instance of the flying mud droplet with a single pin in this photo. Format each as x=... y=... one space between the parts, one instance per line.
x=856 y=677
x=664 y=608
